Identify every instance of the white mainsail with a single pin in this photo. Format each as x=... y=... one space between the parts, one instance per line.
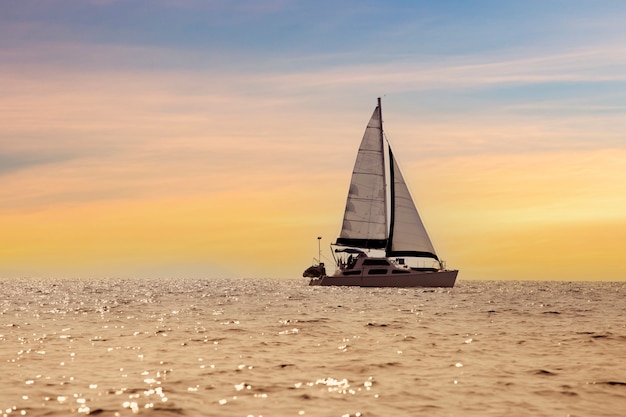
x=365 y=219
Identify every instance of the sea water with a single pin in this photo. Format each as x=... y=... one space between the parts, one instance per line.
x=252 y=347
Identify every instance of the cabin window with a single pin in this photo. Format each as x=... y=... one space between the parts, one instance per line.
x=379 y=262
x=357 y=272
x=425 y=269
x=377 y=271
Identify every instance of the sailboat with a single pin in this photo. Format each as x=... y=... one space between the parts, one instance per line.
x=383 y=242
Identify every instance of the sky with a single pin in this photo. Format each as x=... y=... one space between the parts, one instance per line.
x=216 y=139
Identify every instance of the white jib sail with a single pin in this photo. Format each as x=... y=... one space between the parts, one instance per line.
x=409 y=236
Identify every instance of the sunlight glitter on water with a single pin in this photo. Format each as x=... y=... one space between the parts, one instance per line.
x=212 y=348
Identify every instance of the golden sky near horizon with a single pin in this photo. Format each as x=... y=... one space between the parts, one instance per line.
x=130 y=157
x=187 y=198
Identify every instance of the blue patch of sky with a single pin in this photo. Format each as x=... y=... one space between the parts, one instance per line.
x=302 y=33
x=307 y=26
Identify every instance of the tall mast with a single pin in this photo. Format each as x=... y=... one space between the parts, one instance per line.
x=382 y=152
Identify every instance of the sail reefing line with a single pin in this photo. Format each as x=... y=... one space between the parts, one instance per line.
x=367 y=222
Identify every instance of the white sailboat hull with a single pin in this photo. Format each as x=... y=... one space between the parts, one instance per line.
x=445 y=278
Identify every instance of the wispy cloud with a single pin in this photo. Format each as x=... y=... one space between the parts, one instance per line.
x=12 y=162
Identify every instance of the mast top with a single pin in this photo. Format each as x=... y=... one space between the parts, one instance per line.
x=380 y=117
